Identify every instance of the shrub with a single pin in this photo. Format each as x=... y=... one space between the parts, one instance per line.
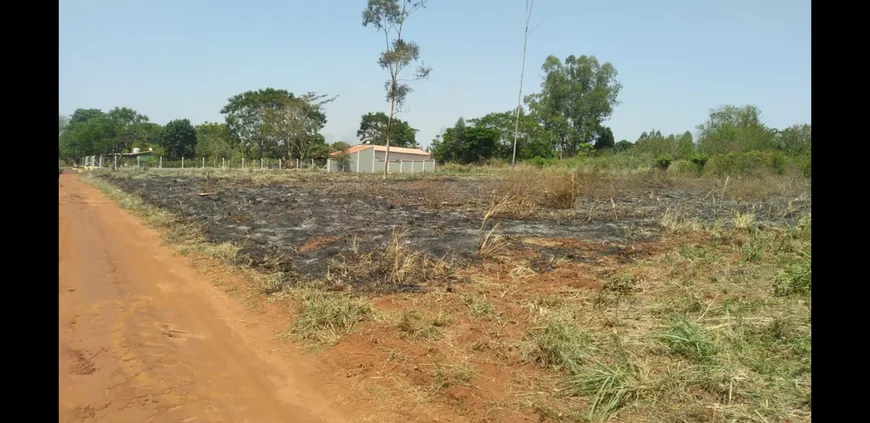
x=683 y=166
x=664 y=161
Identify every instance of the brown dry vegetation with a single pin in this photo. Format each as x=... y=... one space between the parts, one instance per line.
x=707 y=321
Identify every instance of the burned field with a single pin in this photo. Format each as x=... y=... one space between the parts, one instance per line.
x=539 y=295
x=305 y=227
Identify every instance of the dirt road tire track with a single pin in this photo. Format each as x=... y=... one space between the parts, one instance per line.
x=144 y=337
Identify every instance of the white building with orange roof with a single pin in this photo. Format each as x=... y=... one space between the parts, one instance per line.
x=368 y=158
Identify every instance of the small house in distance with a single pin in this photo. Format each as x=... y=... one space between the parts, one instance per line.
x=367 y=158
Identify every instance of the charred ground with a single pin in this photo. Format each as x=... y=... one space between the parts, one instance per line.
x=300 y=225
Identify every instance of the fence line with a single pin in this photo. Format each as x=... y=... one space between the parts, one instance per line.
x=158 y=162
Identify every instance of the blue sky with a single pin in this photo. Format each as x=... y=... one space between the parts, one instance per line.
x=676 y=59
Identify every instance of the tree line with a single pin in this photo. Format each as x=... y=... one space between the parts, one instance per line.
x=566 y=119
x=268 y=123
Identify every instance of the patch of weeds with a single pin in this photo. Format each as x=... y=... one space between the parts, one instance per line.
x=692 y=252
x=739 y=307
x=559 y=345
x=224 y=252
x=777 y=349
x=743 y=220
x=183 y=233
x=442 y=319
x=610 y=386
x=759 y=243
x=326 y=317
x=479 y=308
x=689 y=341
x=615 y=288
x=548 y=301
x=678 y=221
x=804 y=228
x=446 y=376
x=491 y=243
x=796 y=278
x=395 y=265
x=633 y=233
x=683 y=306
x=417 y=326
x=270 y=283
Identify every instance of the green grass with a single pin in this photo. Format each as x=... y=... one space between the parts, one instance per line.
x=559 y=345
x=324 y=318
x=689 y=341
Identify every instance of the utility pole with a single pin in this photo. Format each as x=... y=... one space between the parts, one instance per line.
x=522 y=73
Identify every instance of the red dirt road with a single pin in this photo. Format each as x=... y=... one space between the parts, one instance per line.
x=144 y=337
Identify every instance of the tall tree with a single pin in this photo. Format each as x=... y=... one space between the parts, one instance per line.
x=389 y=16
x=152 y=134
x=128 y=127
x=522 y=73
x=178 y=139
x=214 y=141
x=604 y=139
x=576 y=97
x=244 y=115
x=296 y=123
x=88 y=132
x=373 y=129
x=83 y=115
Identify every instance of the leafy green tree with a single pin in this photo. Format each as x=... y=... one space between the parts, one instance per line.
x=214 y=141
x=294 y=126
x=339 y=146
x=623 y=145
x=389 y=17
x=244 y=114
x=318 y=149
x=84 y=115
x=576 y=97
x=89 y=132
x=373 y=130
x=604 y=139
x=179 y=139
x=128 y=127
x=531 y=138
x=152 y=133
x=734 y=129
x=466 y=144
x=655 y=144
x=796 y=139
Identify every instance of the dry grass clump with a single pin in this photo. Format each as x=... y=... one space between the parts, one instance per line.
x=395 y=265
x=416 y=325
x=325 y=317
x=529 y=189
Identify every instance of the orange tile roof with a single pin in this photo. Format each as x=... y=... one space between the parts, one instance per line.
x=360 y=147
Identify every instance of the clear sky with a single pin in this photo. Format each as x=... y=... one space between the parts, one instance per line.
x=676 y=59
